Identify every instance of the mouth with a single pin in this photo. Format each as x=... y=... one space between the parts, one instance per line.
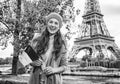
x=52 y=28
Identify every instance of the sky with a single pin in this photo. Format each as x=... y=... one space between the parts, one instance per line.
x=111 y=11
x=109 y=8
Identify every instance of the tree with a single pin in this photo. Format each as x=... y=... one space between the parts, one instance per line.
x=23 y=17
x=73 y=60
x=100 y=56
x=86 y=58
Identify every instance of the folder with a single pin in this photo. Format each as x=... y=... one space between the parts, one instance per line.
x=28 y=56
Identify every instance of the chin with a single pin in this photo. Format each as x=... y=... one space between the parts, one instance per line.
x=52 y=32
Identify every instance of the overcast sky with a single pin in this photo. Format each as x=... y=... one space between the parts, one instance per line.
x=111 y=11
x=109 y=8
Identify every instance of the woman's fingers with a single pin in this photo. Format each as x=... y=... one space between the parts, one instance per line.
x=36 y=63
x=48 y=70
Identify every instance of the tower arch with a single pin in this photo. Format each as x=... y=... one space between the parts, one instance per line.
x=95 y=36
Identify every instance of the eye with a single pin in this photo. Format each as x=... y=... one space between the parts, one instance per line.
x=50 y=21
x=56 y=23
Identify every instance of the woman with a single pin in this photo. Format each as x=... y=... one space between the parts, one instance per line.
x=51 y=49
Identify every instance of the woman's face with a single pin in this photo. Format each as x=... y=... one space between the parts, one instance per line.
x=53 y=25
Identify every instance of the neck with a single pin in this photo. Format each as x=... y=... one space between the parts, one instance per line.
x=52 y=34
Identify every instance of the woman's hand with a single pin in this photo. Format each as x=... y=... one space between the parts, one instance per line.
x=36 y=63
x=49 y=70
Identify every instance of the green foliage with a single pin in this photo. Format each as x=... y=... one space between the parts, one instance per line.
x=21 y=71
x=83 y=64
x=31 y=18
x=86 y=58
x=72 y=60
x=5 y=61
x=23 y=17
x=100 y=56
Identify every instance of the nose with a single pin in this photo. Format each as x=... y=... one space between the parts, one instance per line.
x=53 y=24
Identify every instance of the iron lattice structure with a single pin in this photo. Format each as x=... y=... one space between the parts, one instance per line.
x=94 y=35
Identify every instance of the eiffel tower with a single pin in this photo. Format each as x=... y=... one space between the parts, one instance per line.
x=95 y=36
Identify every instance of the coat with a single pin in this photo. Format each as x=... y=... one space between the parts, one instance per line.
x=37 y=76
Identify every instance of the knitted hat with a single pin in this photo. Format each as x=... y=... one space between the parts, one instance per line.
x=56 y=16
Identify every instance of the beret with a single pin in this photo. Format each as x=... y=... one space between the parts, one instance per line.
x=56 y=16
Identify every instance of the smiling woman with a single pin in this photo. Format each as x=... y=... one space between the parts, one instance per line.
x=51 y=49
x=53 y=25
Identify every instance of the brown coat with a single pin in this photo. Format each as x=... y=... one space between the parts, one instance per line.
x=35 y=77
